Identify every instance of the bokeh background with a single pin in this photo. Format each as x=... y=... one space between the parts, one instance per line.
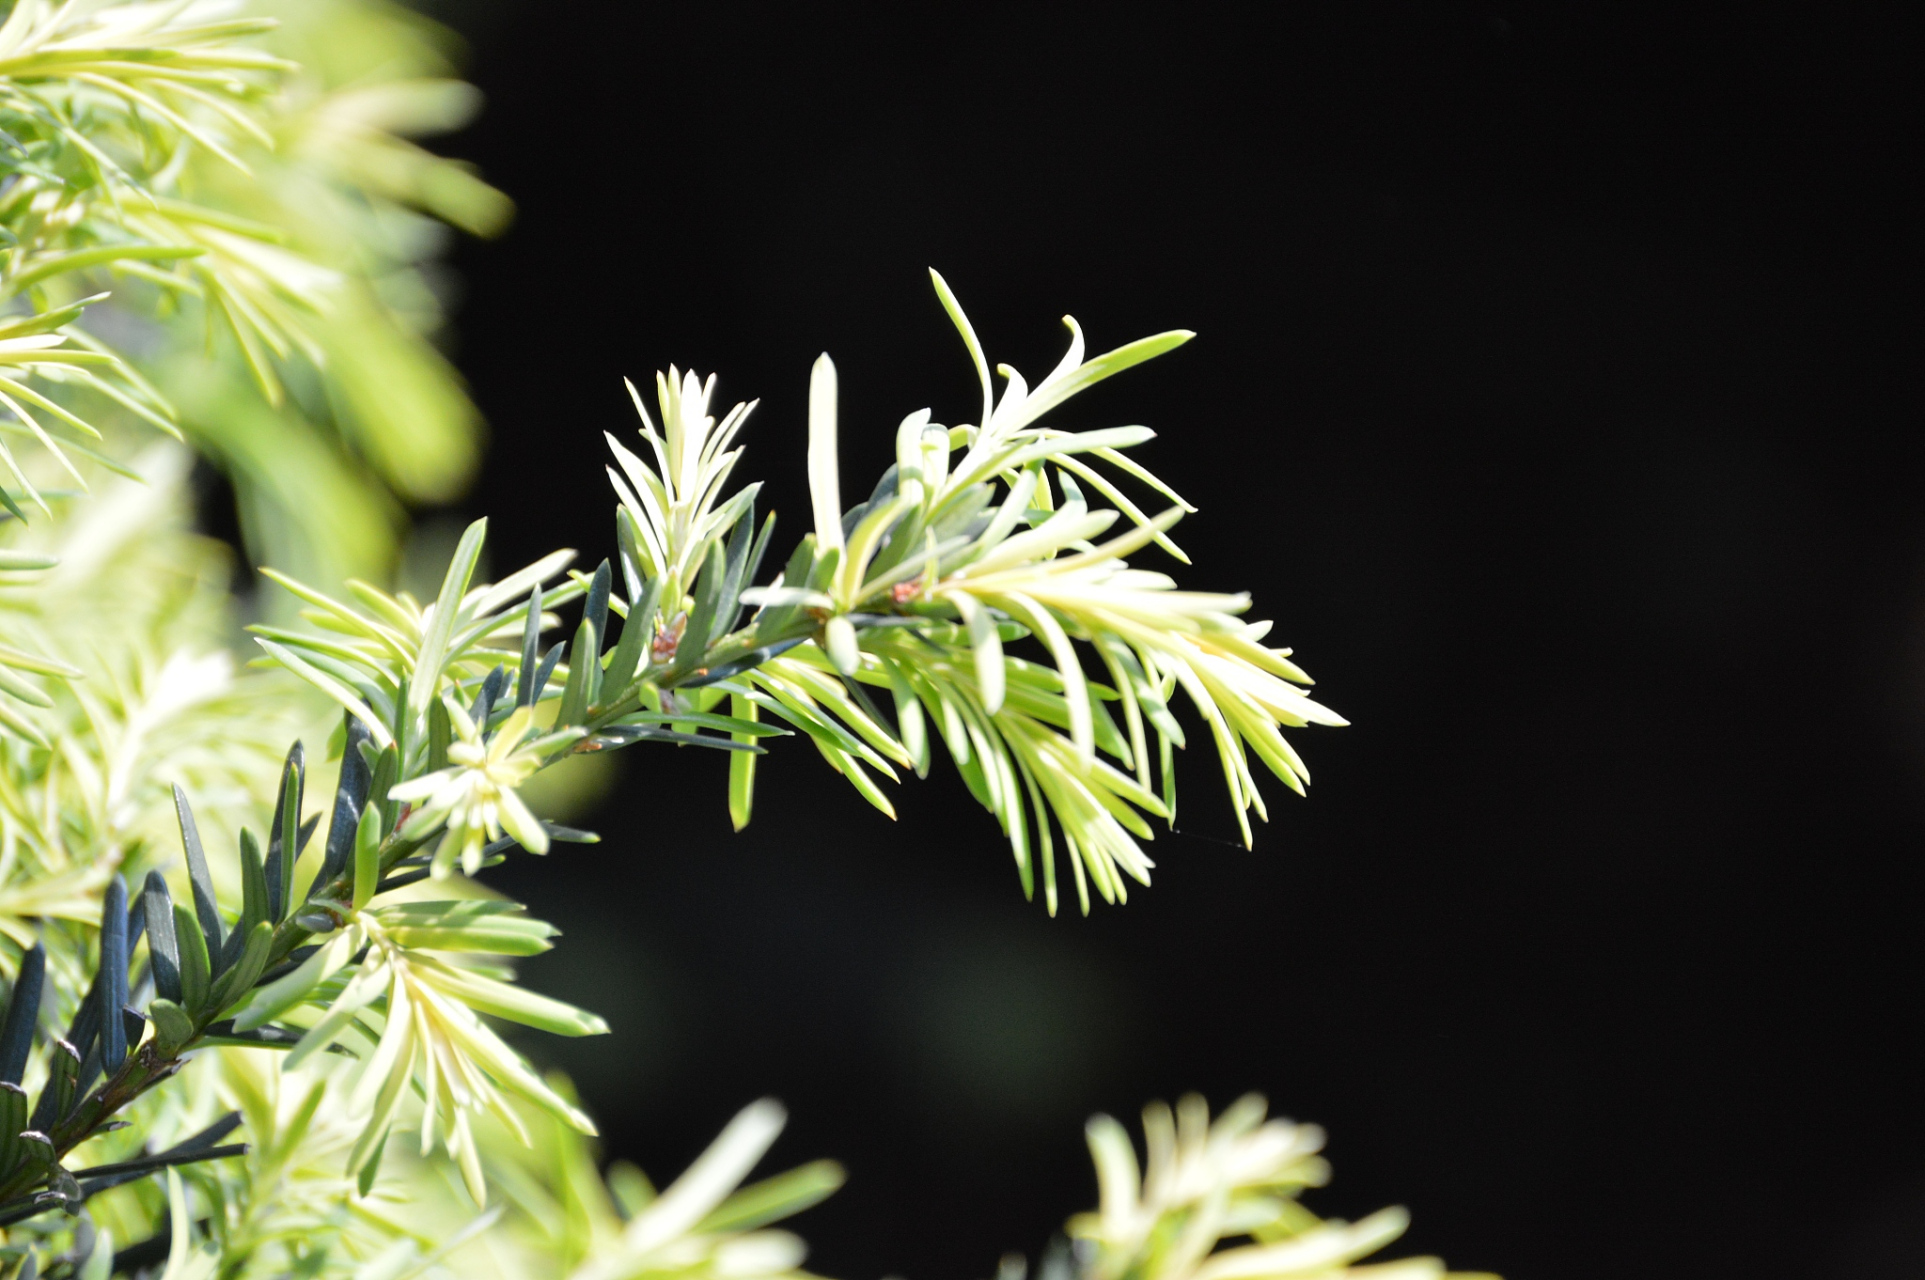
x=1557 y=392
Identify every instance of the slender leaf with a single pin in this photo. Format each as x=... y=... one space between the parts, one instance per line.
x=742 y=763
x=530 y=645
x=774 y=1198
x=350 y=797
x=624 y=735
x=968 y=332
x=23 y=1015
x=547 y=669
x=1101 y=367
x=440 y=734
x=754 y=566
x=255 y=901
x=367 y=856
x=163 y=953
x=595 y=609
x=491 y=690
x=387 y=767
x=283 y=848
x=701 y=630
x=198 y=876
x=736 y=558
x=113 y=974
x=234 y=985
x=13 y=1118
x=736 y=666
x=196 y=973
x=425 y=679
x=748 y=727
x=272 y=999
x=575 y=694
x=825 y=487
x=637 y=630
x=329 y=685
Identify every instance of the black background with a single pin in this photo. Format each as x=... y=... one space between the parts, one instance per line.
x=1557 y=394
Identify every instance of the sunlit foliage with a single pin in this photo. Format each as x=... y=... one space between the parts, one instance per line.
x=256 y=996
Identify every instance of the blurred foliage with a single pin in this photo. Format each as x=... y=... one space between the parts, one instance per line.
x=380 y=415
x=251 y=235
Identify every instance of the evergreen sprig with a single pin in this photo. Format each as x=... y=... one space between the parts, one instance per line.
x=165 y=172
x=976 y=537
x=1235 y=1178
